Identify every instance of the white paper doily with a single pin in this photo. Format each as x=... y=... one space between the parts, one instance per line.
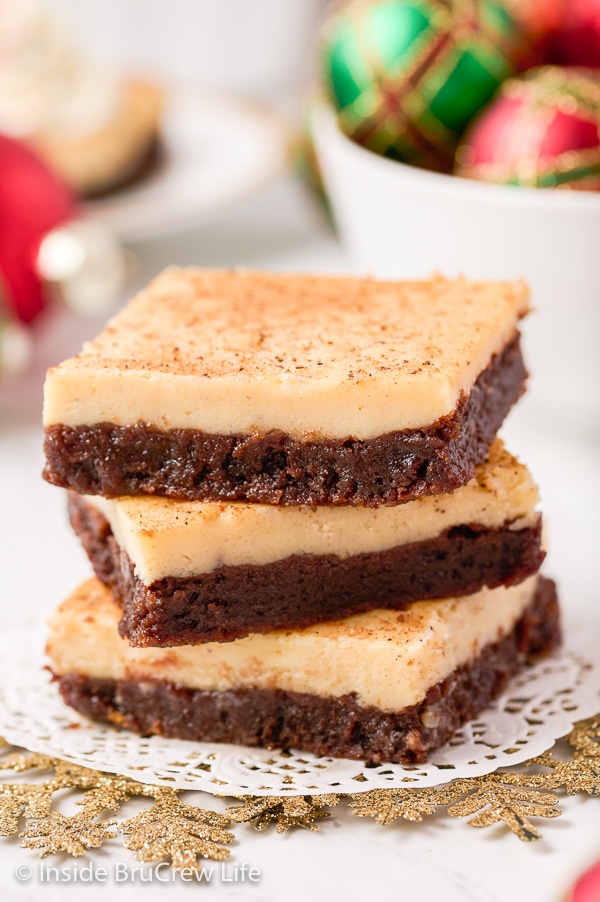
x=542 y=704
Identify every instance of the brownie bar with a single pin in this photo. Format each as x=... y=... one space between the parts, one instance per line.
x=339 y=727
x=231 y=602
x=275 y=468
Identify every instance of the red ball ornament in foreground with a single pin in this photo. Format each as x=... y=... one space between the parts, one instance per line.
x=541 y=130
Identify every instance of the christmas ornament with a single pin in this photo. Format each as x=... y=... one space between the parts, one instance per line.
x=587 y=887
x=48 y=252
x=408 y=75
x=32 y=203
x=576 y=39
x=542 y=130
x=539 y=21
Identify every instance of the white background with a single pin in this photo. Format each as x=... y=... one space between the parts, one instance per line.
x=261 y=48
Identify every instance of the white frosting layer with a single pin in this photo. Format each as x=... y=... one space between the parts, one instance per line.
x=173 y=538
x=388 y=659
x=226 y=352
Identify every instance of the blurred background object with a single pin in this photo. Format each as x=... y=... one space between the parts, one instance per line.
x=95 y=127
x=33 y=201
x=48 y=251
x=16 y=347
x=541 y=130
x=407 y=76
x=540 y=21
x=259 y=49
x=576 y=39
x=216 y=149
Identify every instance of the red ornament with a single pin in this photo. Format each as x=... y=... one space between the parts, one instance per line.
x=541 y=130
x=576 y=41
x=539 y=21
x=587 y=888
x=33 y=201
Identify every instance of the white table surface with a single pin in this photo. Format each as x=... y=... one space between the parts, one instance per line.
x=349 y=858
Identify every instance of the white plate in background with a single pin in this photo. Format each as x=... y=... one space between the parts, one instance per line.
x=216 y=149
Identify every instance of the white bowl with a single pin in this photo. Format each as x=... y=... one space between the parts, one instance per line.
x=398 y=221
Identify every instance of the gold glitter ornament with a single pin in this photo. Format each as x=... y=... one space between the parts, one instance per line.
x=24 y=800
x=11 y=810
x=387 y=805
x=582 y=774
x=284 y=811
x=30 y=761
x=108 y=793
x=585 y=736
x=179 y=833
x=493 y=803
x=487 y=798
x=74 y=835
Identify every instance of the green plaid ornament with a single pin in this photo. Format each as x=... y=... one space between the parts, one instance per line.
x=408 y=75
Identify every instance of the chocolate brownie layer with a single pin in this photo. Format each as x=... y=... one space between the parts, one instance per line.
x=325 y=726
x=231 y=602
x=275 y=468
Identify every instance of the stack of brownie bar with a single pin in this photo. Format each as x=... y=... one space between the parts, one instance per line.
x=304 y=529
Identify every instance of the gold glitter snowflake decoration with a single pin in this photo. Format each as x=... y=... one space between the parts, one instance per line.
x=585 y=737
x=283 y=811
x=73 y=835
x=177 y=832
x=494 y=803
x=387 y=805
x=167 y=830
x=581 y=774
x=486 y=798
